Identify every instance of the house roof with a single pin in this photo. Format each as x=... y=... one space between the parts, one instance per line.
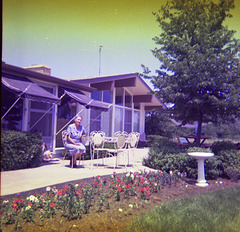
x=133 y=83
x=21 y=72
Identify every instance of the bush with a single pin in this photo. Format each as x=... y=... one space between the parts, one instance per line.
x=20 y=150
x=165 y=156
x=225 y=162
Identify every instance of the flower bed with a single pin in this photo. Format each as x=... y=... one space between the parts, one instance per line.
x=101 y=203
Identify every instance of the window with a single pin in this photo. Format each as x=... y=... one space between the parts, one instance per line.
x=136 y=121
x=137 y=106
x=13 y=119
x=37 y=110
x=97 y=95
x=44 y=126
x=118 y=119
x=107 y=122
x=128 y=100
x=95 y=120
x=128 y=121
x=119 y=96
x=107 y=96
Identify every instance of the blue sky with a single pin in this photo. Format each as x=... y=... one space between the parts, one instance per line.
x=66 y=35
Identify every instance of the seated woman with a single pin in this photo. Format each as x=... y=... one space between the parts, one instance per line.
x=74 y=138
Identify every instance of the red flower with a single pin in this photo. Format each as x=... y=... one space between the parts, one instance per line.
x=66 y=187
x=98 y=177
x=52 y=205
x=30 y=204
x=79 y=192
x=119 y=189
x=95 y=183
x=16 y=200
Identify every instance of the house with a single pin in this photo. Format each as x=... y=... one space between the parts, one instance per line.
x=35 y=101
x=129 y=97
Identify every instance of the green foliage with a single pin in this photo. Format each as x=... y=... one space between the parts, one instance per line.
x=225 y=162
x=199 y=70
x=20 y=150
x=219 y=146
x=227 y=130
x=165 y=156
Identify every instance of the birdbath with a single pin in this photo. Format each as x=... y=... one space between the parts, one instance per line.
x=201 y=156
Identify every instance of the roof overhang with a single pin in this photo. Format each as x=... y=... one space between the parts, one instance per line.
x=21 y=72
x=132 y=82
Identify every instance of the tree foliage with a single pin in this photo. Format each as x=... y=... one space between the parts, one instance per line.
x=199 y=69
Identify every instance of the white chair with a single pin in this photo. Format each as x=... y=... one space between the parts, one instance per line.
x=97 y=140
x=133 y=140
x=120 y=144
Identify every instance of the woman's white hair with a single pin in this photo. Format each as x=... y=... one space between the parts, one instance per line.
x=78 y=116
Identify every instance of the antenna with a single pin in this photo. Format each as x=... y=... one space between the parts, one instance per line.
x=100 y=49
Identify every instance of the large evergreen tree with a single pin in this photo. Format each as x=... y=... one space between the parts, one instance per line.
x=199 y=69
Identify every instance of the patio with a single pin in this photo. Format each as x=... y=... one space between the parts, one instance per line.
x=58 y=171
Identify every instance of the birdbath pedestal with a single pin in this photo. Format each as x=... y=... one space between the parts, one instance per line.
x=201 y=156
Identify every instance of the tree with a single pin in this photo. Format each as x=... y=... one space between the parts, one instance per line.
x=199 y=69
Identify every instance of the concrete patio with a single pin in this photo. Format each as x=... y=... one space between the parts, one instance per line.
x=58 y=171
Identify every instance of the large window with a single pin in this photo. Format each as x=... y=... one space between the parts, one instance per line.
x=128 y=121
x=97 y=95
x=119 y=96
x=95 y=120
x=136 y=121
x=128 y=100
x=107 y=96
x=118 y=119
x=13 y=119
x=41 y=117
x=104 y=96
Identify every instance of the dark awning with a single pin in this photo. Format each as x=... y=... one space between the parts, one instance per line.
x=86 y=101
x=29 y=89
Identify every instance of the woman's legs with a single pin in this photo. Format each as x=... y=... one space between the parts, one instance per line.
x=75 y=158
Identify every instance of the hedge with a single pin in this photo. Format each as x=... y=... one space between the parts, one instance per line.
x=20 y=150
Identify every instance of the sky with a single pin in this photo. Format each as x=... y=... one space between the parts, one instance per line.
x=67 y=34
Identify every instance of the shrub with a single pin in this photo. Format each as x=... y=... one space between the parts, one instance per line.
x=20 y=150
x=225 y=161
x=165 y=156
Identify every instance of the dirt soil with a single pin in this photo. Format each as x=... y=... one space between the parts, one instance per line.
x=123 y=212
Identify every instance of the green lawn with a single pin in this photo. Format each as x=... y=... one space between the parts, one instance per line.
x=218 y=211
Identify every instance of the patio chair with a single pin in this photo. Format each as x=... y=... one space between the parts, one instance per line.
x=133 y=143
x=97 y=140
x=64 y=139
x=120 y=144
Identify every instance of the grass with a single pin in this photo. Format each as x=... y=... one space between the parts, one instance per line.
x=218 y=211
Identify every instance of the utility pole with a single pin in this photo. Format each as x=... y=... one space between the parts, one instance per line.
x=100 y=49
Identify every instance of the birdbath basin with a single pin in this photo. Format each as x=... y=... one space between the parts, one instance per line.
x=201 y=156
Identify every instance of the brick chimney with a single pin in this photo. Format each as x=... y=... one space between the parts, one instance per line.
x=41 y=68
